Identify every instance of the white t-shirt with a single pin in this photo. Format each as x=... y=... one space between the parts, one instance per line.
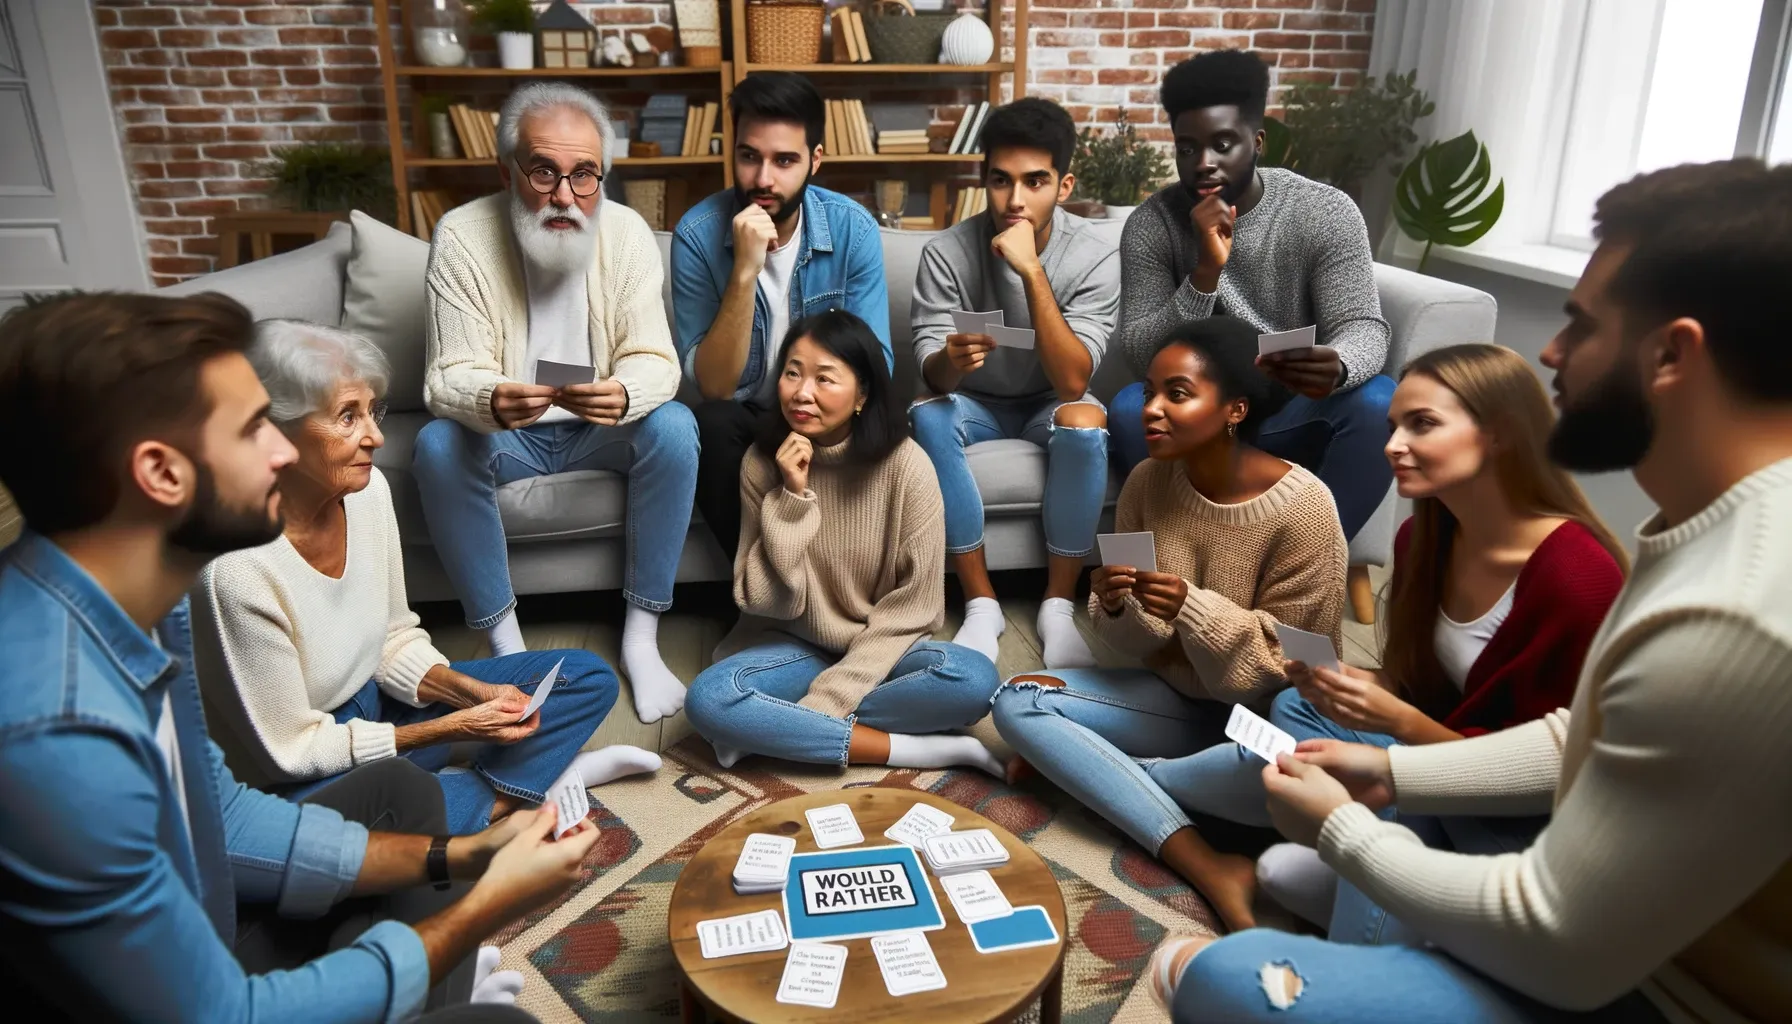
x=559 y=325
x=774 y=284
x=1460 y=643
x=169 y=744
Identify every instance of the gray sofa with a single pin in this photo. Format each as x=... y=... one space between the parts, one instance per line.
x=565 y=531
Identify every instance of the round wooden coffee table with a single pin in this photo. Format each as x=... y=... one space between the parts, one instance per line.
x=996 y=987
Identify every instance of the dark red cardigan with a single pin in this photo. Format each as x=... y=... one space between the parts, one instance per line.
x=1530 y=666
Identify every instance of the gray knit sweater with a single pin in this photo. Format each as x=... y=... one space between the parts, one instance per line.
x=1300 y=257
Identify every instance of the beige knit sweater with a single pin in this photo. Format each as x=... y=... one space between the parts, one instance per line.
x=1667 y=862
x=1280 y=557
x=479 y=312
x=856 y=564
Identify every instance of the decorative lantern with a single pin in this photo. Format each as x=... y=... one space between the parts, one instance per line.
x=566 y=38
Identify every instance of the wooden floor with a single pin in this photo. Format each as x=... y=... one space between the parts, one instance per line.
x=702 y=613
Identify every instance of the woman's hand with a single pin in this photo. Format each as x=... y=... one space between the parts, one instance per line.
x=1161 y=594
x=1355 y=699
x=1364 y=771
x=443 y=685
x=1301 y=795
x=495 y=721
x=793 y=462
x=1111 y=584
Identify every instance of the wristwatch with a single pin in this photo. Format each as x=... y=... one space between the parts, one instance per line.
x=437 y=862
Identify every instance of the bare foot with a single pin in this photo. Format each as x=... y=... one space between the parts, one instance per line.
x=1229 y=887
x=1019 y=770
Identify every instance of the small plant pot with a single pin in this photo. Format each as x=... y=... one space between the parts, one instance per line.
x=441 y=137
x=516 y=50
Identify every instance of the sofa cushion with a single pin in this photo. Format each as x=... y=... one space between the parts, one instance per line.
x=382 y=300
x=1010 y=475
x=305 y=284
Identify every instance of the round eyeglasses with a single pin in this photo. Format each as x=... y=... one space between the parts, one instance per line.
x=584 y=182
x=354 y=422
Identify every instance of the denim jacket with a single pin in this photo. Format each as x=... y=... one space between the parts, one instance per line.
x=113 y=906
x=839 y=265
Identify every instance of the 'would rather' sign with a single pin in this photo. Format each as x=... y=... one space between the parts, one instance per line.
x=866 y=887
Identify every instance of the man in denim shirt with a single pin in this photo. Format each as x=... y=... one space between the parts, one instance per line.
x=750 y=261
x=140 y=447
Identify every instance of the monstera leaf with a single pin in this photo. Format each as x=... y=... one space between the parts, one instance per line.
x=1277 y=142
x=1439 y=198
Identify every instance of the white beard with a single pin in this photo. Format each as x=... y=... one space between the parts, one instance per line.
x=556 y=250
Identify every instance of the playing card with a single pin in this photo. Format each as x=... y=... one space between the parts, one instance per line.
x=559 y=375
x=966 y=322
x=812 y=974
x=1257 y=735
x=1283 y=341
x=1138 y=550
x=541 y=692
x=907 y=962
x=976 y=897
x=920 y=821
x=759 y=932
x=833 y=826
x=1027 y=926
x=571 y=802
x=764 y=857
x=1299 y=645
x=963 y=851
x=1010 y=337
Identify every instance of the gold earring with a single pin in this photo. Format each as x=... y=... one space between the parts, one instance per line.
x=1231 y=430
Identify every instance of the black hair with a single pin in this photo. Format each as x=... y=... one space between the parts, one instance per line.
x=882 y=424
x=1218 y=78
x=1228 y=350
x=1032 y=123
x=1712 y=242
x=780 y=96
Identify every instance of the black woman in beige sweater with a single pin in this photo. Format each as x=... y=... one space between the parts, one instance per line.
x=1244 y=540
x=840 y=578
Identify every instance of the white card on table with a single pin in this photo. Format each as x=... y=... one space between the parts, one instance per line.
x=571 y=802
x=1283 y=341
x=764 y=857
x=812 y=974
x=1138 y=550
x=966 y=322
x=976 y=896
x=907 y=962
x=833 y=826
x=921 y=821
x=541 y=692
x=559 y=375
x=759 y=932
x=1010 y=337
x=1299 y=645
x=1254 y=733
x=975 y=846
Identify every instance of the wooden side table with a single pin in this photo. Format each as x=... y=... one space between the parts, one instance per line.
x=992 y=987
x=261 y=227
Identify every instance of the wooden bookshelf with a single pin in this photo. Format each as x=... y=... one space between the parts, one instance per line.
x=409 y=163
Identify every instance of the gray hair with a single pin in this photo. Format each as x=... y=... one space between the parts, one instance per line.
x=303 y=365
x=538 y=96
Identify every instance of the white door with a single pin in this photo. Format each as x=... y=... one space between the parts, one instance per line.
x=66 y=215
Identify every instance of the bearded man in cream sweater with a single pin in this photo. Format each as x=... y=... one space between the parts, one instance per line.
x=529 y=290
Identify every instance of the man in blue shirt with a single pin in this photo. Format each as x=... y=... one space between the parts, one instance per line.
x=750 y=261
x=139 y=448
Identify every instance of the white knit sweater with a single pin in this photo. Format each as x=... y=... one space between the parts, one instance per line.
x=1667 y=863
x=479 y=312
x=297 y=644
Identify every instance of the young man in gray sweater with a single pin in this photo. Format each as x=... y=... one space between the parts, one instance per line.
x=1045 y=270
x=1276 y=250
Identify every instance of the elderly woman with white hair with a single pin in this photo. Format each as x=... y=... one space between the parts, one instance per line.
x=317 y=660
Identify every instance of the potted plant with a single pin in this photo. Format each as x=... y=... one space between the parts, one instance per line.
x=334 y=176
x=1341 y=137
x=1117 y=168
x=1442 y=197
x=513 y=23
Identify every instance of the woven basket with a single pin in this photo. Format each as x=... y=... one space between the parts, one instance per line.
x=785 y=31
x=906 y=38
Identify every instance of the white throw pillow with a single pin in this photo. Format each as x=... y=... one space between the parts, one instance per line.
x=382 y=300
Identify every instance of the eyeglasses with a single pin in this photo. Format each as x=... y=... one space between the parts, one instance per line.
x=353 y=422
x=546 y=180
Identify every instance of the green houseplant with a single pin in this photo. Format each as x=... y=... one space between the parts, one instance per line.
x=1341 y=137
x=513 y=23
x=334 y=176
x=1442 y=196
x=1116 y=168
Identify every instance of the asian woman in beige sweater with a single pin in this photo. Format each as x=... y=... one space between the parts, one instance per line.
x=1243 y=541
x=840 y=578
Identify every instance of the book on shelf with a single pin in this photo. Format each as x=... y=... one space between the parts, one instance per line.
x=830 y=133
x=700 y=126
x=858 y=34
x=963 y=137
x=971 y=202
x=848 y=45
x=862 y=127
x=427 y=208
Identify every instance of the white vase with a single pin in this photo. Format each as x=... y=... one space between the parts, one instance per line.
x=968 y=40
x=516 y=50
x=1120 y=212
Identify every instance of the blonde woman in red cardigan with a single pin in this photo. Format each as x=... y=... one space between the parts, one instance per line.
x=1501 y=578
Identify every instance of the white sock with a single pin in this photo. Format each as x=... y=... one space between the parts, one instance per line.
x=728 y=757
x=983 y=626
x=607 y=764
x=491 y=985
x=658 y=693
x=1064 y=643
x=507 y=636
x=942 y=750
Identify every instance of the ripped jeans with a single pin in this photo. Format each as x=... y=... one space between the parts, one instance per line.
x=1076 y=475
x=1245 y=977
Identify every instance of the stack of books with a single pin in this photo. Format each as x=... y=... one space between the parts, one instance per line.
x=848 y=132
x=968 y=138
x=477 y=131
x=850 y=46
x=902 y=142
x=701 y=126
x=971 y=202
x=664 y=120
x=901 y=127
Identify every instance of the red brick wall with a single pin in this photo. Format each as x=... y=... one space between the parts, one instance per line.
x=203 y=90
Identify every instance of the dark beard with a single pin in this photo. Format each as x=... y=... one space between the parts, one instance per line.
x=1233 y=191
x=211 y=528
x=1608 y=430
x=787 y=207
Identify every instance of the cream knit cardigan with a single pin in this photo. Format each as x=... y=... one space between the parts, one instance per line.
x=479 y=312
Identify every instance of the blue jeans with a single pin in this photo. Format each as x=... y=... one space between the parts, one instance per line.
x=749 y=701
x=459 y=472
x=1339 y=438
x=524 y=769
x=1346 y=984
x=1076 y=472
x=1085 y=735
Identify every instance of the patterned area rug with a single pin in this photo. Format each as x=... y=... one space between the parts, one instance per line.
x=601 y=954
